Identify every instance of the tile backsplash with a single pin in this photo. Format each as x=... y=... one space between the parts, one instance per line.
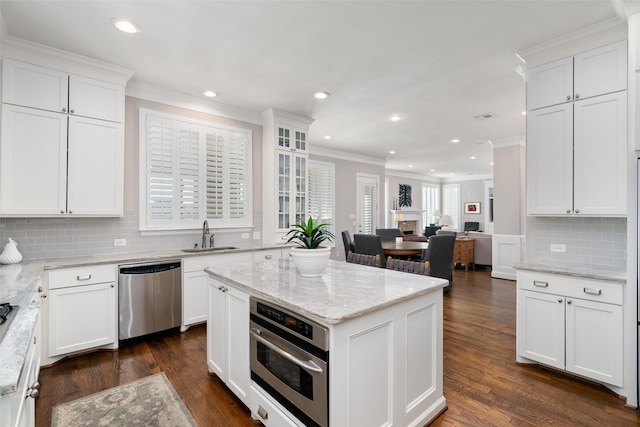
x=592 y=243
x=48 y=238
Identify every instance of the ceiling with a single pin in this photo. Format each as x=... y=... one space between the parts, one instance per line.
x=435 y=63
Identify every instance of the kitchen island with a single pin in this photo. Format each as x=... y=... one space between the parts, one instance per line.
x=385 y=338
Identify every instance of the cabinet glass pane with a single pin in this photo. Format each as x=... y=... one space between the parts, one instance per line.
x=284 y=190
x=284 y=138
x=301 y=141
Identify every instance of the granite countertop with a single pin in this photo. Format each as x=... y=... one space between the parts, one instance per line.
x=20 y=284
x=569 y=270
x=344 y=291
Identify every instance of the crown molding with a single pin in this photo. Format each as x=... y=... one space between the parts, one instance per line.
x=46 y=56
x=417 y=177
x=453 y=179
x=520 y=141
x=626 y=8
x=149 y=92
x=286 y=118
x=583 y=39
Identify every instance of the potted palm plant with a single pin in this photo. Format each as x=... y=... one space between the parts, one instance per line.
x=308 y=256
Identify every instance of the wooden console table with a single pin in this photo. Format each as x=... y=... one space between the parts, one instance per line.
x=464 y=252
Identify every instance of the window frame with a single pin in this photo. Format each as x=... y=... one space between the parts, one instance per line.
x=147 y=225
x=451 y=207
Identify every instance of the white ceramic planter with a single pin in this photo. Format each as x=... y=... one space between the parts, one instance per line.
x=310 y=262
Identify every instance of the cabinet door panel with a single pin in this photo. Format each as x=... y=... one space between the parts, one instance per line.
x=600 y=71
x=38 y=139
x=32 y=86
x=550 y=160
x=541 y=329
x=600 y=154
x=95 y=167
x=216 y=330
x=594 y=340
x=94 y=98
x=194 y=298
x=238 y=373
x=550 y=84
x=81 y=317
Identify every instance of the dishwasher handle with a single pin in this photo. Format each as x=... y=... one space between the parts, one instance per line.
x=150 y=268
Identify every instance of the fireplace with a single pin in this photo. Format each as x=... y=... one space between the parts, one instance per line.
x=408 y=227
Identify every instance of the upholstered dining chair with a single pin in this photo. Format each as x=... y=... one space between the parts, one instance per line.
x=369 y=244
x=348 y=243
x=446 y=232
x=388 y=233
x=416 y=267
x=363 y=259
x=439 y=255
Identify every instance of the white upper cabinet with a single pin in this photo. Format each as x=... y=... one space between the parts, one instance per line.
x=62 y=144
x=577 y=135
x=45 y=89
x=596 y=72
x=36 y=87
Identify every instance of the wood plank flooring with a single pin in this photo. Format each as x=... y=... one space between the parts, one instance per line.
x=482 y=383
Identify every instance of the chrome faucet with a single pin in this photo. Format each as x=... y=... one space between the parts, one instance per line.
x=205 y=231
x=211 y=240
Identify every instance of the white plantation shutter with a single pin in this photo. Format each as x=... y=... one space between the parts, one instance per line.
x=160 y=170
x=430 y=202
x=238 y=176
x=321 y=192
x=370 y=209
x=194 y=171
x=215 y=175
x=451 y=203
x=188 y=174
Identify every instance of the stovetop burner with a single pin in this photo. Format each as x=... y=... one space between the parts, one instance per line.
x=7 y=313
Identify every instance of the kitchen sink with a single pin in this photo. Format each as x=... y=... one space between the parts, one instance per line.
x=200 y=250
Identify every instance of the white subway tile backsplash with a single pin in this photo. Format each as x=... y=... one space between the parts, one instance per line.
x=598 y=243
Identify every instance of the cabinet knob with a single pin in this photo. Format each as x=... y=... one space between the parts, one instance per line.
x=35 y=386
x=559 y=299
x=568 y=211
x=568 y=97
x=33 y=393
x=577 y=211
x=113 y=285
x=577 y=96
x=62 y=212
x=569 y=302
x=44 y=295
x=263 y=413
x=64 y=109
x=72 y=111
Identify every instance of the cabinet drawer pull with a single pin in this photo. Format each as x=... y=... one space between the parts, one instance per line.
x=268 y=256
x=82 y=278
x=592 y=291
x=263 y=413
x=540 y=284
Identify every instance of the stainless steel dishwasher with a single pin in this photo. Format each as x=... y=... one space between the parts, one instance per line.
x=149 y=297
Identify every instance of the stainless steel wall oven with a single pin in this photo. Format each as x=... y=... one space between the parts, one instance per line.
x=290 y=361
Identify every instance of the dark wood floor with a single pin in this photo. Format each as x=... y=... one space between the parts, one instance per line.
x=482 y=383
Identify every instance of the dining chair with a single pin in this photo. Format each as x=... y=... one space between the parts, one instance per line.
x=369 y=244
x=348 y=243
x=389 y=233
x=363 y=259
x=446 y=232
x=416 y=267
x=439 y=255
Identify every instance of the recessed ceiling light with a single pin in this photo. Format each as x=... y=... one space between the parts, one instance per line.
x=410 y=166
x=327 y=137
x=321 y=95
x=491 y=164
x=396 y=118
x=210 y=94
x=455 y=140
x=432 y=170
x=472 y=158
x=524 y=113
x=126 y=25
x=392 y=152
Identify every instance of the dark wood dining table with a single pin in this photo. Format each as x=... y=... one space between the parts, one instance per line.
x=393 y=249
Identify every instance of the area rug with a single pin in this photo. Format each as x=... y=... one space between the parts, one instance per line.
x=150 y=401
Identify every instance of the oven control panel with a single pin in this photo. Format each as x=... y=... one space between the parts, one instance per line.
x=296 y=325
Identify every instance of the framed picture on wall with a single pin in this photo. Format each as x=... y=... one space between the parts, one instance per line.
x=472 y=208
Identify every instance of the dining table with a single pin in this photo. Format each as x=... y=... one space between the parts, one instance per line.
x=404 y=248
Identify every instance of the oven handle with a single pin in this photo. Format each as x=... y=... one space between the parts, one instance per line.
x=308 y=365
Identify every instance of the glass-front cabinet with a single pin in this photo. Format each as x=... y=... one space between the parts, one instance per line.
x=285 y=163
x=291 y=178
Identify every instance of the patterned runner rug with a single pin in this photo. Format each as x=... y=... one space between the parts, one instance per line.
x=150 y=401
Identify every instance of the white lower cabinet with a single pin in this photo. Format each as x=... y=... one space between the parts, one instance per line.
x=82 y=309
x=228 y=337
x=18 y=409
x=194 y=281
x=572 y=324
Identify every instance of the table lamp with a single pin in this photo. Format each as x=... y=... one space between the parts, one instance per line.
x=446 y=221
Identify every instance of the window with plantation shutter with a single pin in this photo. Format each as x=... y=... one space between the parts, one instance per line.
x=321 y=192
x=192 y=171
x=430 y=202
x=451 y=203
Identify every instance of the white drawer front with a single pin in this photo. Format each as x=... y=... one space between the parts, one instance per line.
x=82 y=276
x=267 y=412
x=573 y=287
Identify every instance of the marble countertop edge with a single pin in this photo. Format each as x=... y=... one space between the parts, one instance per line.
x=568 y=270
